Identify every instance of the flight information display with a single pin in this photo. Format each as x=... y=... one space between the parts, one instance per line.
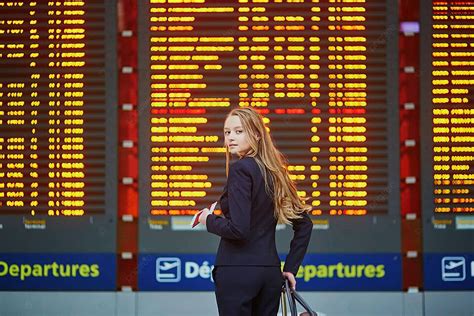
x=53 y=108
x=450 y=107
x=316 y=70
x=447 y=131
x=447 y=152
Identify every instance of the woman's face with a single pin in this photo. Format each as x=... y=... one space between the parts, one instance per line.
x=236 y=138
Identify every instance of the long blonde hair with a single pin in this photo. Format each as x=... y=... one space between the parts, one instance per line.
x=273 y=165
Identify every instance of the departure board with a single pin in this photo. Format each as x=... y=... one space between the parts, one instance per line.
x=53 y=108
x=451 y=106
x=447 y=125
x=316 y=70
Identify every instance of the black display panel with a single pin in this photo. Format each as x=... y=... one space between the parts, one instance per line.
x=57 y=125
x=322 y=73
x=447 y=125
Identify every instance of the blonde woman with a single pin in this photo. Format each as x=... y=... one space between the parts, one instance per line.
x=258 y=195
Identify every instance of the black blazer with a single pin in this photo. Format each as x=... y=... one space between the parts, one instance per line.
x=247 y=229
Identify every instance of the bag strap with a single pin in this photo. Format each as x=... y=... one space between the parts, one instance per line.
x=293 y=297
x=303 y=303
x=290 y=298
x=284 y=310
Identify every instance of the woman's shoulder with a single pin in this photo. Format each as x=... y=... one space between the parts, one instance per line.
x=245 y=163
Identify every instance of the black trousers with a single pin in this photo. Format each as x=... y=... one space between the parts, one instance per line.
x=248 y=290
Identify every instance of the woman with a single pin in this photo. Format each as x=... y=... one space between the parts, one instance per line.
x=258 y=195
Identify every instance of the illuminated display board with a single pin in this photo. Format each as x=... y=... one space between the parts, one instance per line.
x=52 y=108
x=447 y=128
x=58 y=127
x=316 y=70
x=451 y=107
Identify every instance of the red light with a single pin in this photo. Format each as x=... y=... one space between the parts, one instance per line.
x=347 y=111
x=159 y=111
x=262 y=111
x=295 y=111
x=187 y=111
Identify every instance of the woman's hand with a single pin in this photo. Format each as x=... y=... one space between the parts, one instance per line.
x=291 y=279
x=204 y=214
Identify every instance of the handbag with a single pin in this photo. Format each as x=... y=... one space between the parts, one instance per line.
x=292 y=298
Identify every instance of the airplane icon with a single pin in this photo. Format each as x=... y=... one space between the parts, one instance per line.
x=168 y=269
x=453 y=269
x=168 y=265
x=454 y=264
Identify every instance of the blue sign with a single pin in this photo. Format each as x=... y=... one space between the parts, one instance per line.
x=63 y=271
x=449 y=271
x=339 y=272
x=175 y=272
x=350 y=272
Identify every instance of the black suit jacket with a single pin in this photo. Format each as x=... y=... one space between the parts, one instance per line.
x=247 y=229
